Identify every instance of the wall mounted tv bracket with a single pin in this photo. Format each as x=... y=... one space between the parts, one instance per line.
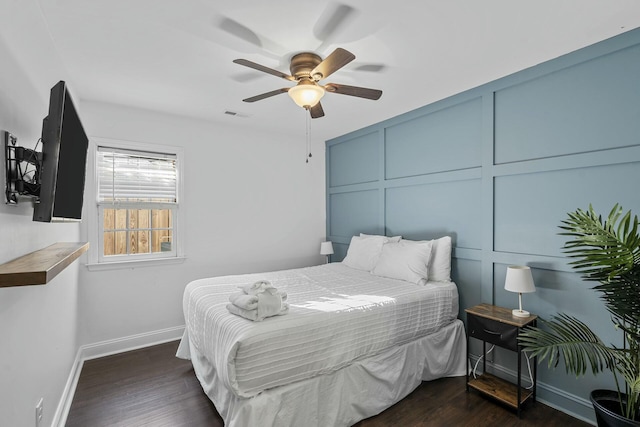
x=22 y=170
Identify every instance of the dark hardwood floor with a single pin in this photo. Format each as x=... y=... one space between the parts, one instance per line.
x=151 y=387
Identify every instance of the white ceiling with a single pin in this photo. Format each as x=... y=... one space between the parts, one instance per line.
x=176 y=56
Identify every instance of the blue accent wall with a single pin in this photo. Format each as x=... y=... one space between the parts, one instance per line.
x=498 y=167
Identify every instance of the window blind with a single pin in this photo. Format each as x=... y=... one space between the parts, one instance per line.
x=135 y=176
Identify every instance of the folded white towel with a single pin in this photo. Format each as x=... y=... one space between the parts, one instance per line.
x=257 y=301
x=257 y=287
x=244 y=301
x=253 y=314
x=250 y=302
x=268 y=304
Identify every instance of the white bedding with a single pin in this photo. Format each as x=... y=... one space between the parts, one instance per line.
x=311 y=340
x=360 y=390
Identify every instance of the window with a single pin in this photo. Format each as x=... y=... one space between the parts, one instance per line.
x=137 y=202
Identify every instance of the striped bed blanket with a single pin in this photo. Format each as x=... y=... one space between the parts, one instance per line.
x=337 y=315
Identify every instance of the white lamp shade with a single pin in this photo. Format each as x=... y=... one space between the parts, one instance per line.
x=519 y=279
x=306 y=94
x=326 y=248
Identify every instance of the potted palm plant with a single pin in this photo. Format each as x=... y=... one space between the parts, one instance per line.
x=607 y=252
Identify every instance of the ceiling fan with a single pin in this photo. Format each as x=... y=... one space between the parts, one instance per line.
x=307 y=69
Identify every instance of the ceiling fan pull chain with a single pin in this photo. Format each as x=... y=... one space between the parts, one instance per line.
x=308 y=132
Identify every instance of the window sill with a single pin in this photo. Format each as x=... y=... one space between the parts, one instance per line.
x=134 y=264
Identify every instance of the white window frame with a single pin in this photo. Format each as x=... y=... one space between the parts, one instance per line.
x=94 y=210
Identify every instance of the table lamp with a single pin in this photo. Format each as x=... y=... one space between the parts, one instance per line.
x=326 y=248
x=520 y=280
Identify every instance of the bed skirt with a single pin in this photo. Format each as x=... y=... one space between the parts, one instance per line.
x=342 y=398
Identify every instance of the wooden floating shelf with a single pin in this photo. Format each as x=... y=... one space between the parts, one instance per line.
x=39 y=267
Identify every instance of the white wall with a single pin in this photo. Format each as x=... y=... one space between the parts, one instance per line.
x=251 y=204
x=38 y=324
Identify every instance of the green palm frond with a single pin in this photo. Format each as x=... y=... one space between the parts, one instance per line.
x=635 y=386
x=622 y=296
x=608 y=252
x=630 y=370
x=604 y=249
x=567 y=338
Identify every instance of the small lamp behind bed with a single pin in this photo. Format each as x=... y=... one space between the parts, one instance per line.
x=520 y=280
x=326 y=248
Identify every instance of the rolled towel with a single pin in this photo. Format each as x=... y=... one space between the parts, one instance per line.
x=253 y=314
x=269 y=304
x=250 y=302
x=256 y=287
x=244 y=301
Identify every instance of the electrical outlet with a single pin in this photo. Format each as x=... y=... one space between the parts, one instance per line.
x=39 y=412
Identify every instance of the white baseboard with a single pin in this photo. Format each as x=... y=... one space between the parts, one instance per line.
x=106 y=348
x=132 y=342
x=60 y=417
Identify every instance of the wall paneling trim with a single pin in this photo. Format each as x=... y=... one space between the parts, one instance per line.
x=498 y=167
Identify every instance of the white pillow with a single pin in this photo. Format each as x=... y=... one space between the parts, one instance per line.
x=405 y=260
x=440 y=265
x=385 y=238
x=363 y=252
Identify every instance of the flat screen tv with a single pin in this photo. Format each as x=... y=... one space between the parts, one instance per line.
x=64 y=160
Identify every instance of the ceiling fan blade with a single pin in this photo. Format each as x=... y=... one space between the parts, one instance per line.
x=240 y=31
x=336 y=60
x=264 y=69
x=360 y=92
x=266 y=95
x=331 y=21
x=316 y=111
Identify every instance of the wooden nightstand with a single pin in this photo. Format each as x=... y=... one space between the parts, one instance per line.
x=496 y=325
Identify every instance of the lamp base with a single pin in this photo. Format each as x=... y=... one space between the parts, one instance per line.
x=520 y=313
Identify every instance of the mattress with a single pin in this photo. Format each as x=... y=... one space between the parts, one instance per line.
x=337 y=315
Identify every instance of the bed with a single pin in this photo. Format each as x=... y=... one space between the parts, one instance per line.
x=352 y=344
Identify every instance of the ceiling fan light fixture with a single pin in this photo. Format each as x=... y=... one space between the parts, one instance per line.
x=306 y=93
x=307 y=68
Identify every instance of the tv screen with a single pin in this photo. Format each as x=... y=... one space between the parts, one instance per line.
x=64 y=159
